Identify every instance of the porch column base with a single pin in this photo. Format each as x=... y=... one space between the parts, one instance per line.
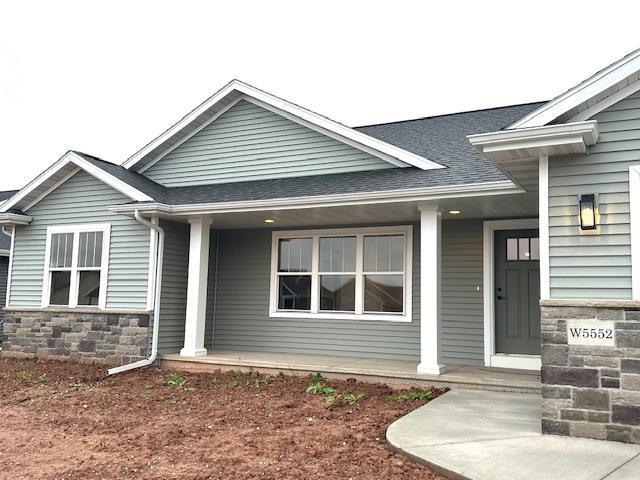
x=431 y=369
x=198 y=352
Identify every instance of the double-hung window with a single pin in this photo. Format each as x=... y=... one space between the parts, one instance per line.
x=76 y=264
x=360 y=273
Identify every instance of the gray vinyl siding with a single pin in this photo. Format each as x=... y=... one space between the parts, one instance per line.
x=248 y=142
x=83 y=199
x=462 y=311
x=587 y=265
x=173 y=292
x=4 y=270
x=242 y=311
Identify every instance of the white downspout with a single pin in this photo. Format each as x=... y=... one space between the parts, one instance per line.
x=156 y=302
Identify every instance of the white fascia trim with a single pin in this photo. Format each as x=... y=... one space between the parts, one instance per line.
x=488 y=280
x=339 y=200
x=607 y=102
x=72 y=157
x=536 y=137
x=14 y=219
x=582 y=92
x=295 y=110
x=634 y=209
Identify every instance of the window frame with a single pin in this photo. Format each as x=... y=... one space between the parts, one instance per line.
x=359 y=314
x=76 y=230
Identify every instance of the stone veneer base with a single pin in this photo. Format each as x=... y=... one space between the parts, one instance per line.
x=105 y=337
x=591 y=391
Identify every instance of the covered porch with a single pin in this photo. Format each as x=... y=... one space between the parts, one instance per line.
x=393 y=372
x=217 y=307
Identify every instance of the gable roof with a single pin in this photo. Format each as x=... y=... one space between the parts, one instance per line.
x=132 y=185
x=441 y=137
x=601 y=90
x=218 y=103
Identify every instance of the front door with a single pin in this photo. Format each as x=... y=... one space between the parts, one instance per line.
x=517 y=292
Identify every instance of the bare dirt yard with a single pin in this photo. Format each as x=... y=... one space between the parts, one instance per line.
x=62 y=420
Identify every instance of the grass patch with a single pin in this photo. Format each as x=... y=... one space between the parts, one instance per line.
x=411 y=395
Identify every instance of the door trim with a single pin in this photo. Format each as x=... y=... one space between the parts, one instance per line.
x=525 y=362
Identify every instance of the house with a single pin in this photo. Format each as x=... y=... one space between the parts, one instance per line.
x=504 y=238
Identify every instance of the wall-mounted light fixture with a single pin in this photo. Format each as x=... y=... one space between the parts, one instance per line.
x=588 y=212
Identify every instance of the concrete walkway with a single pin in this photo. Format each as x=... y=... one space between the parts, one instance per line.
x=477 y=435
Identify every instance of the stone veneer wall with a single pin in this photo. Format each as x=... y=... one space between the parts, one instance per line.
x=591 y=391
x=112 y=338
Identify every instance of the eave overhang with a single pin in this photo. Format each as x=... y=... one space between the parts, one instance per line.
x=563 y=139
x=14 y=219
x=365 y=198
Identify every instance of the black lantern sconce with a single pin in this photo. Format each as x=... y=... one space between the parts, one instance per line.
x=588 y=212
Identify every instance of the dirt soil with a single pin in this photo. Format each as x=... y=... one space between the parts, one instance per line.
x=62 y=420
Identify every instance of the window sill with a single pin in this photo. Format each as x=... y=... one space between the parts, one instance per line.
x=342 y=316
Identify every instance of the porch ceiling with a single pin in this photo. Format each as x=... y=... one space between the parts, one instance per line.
x=487 y=207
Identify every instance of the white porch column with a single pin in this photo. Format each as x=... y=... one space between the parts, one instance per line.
x=197 y=287
x=430 y=253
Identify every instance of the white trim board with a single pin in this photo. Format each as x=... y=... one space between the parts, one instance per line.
x=589 y=88
x=634 y=214
x=488 y=287
x=75 y=159
x=236 y=87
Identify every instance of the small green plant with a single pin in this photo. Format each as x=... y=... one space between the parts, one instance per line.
x=320 y=389
x=316 y=377
x=233 y=384
x=411 y=395
x=264 y=381
x=352 y=399
x=176 y=380
x=42 y=378
x=214 y=382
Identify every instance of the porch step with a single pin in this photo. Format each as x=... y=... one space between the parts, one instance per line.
x=393 y=372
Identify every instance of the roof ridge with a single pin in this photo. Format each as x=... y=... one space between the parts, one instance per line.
x=451 y=114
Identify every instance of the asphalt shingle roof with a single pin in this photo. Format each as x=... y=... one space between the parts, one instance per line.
x=442 y=139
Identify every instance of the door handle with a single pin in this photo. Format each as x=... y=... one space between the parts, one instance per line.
x=499 y=297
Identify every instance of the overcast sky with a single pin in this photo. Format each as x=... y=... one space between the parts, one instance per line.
x=106 y=80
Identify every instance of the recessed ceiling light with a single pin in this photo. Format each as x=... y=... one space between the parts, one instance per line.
x=454 y=212
x=269 y=220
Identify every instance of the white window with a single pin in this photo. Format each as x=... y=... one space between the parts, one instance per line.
x=76 y=264
x=360 y=273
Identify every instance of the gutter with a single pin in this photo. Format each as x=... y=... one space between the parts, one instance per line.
x=156 y=303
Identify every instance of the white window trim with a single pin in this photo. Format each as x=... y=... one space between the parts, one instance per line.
x=491 y=358
x=105 y=228
x=406 y=230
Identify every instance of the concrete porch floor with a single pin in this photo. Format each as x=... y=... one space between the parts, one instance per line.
x=395 y=372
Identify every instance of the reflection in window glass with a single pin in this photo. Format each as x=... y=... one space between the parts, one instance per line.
x=60 y=287
x=338 y=293
x=90 y=254
x=384 y=253
x=512 y=249
x=295 y=255
x=523 y=248
x=61 y=252
x=535 y=249
x=88 y=287
x=383 y=293
x=294 y=292
x=337 y=254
